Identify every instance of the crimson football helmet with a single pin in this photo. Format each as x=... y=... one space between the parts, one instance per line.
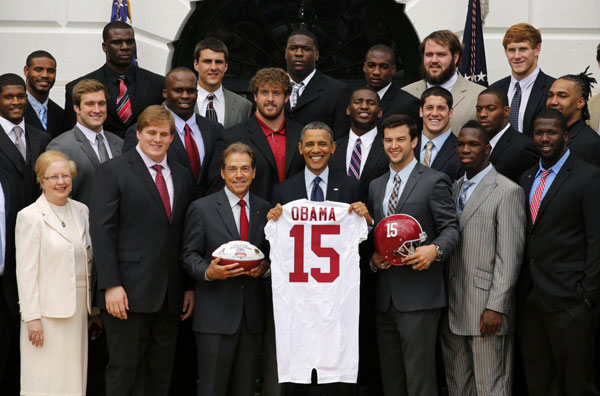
x=397 y=236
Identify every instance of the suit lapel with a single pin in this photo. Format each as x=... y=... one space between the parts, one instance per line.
x=478 y=196
x=34 y=142
x=226 y=214
x=142 y=84
x=11 y=152
x=51 y=218
x=459 y=91
x=291 y=147
x=379 y=192
x=412 y=181
x=256 y=135
x=86 y=147
x=300 y=182
x=417 y=149
x=111 y=103
x=445 y=153
x=178 y=150
x=116 y=147
x=374 y=154
x=254 y=221
x=312 y=92
x=536 y=95
x=333 y=187
x=178 y=182
x=231 y=107
x=143 y=174
x=502 y=144
x=33 y=118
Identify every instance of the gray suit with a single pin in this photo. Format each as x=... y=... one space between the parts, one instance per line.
x=408 y=302
x=482 y=274
x=464 y=95
x=77 y=147
x=237 y=109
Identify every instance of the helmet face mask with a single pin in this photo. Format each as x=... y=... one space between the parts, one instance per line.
x=398 y=236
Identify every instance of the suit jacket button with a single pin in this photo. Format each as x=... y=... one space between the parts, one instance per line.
x=242 y=286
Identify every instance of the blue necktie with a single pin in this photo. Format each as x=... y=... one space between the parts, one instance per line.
x=462 y=197
x=515 y=103
x=43 y=118
x=317 y=193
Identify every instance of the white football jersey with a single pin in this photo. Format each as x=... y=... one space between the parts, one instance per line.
x=315 y=277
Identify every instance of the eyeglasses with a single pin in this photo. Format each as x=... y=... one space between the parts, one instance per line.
x=56 y=178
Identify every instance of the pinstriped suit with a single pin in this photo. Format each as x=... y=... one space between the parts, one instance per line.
x=482 y=274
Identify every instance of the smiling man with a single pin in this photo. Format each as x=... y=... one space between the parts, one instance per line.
x=527 y=86
x=437 y=144
x=442 y=52
x=130 y=88
x=42 y=112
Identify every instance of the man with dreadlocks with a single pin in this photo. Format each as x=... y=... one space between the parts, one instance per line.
x=594 y=103
x=569 y=95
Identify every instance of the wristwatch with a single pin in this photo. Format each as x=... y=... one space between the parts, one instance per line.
x=438 y=253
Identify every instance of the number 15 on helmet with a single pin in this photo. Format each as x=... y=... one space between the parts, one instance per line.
x=398 y=236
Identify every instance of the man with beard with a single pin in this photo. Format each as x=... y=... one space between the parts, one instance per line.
x=527 y=86
x=42 y=112
x=512 y=152
x=271 y=135
x=130 y=88
x=194 y=143
x=569 y=95
x=561 y=277
x=379 y=69
x=315 y=96
x=442 y=52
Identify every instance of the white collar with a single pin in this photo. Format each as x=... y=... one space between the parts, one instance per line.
x=149 y=162
x=366 y=139
x=382 y=91
x=234 y=199
x=203 y=93
x=525 y=82
x=448 y=84
x=8 y=125
x=306 y=80
x=496 y=138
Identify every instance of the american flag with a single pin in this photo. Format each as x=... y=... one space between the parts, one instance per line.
x=473 y=66
x=120 y=11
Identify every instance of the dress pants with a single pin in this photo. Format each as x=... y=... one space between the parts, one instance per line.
x=478 y=366
x=9 y=348
x=406 y=343
x=558 y=349
x=228 y=363
x=141 y=352
x=271 y=385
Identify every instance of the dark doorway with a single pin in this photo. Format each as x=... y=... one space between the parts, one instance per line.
x=255 y=33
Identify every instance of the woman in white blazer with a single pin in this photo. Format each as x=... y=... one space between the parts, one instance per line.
x=54 y=260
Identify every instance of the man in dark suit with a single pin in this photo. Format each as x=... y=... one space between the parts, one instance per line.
x=137 y=208
x=561 y=277
x=9 y=306
x=20 y=142
x=229 y=309
x=512 y=152
x=379 y=69
x=270 y=133
x=214 y=101
x=42 y=112
x=130 y=88
x=436 y=147
x=569 y=95
x=88 y=144
x=315 y=96
x=527 y=86
x=180 y=96
x=409 y=298
x=316 y=146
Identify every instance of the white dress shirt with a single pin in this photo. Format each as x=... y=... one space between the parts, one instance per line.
x=475 y=180
x=438 y=142
x=91 y=137
x=526 y=85
x=448 y=85
x=305 y=81
x=196 y=135
x=366 y=143
x=389 y=187
x=37 y=106
x=383 y=90
x=495 y=139
x=8 y=128
x=166 y=172
x=237 y=209
x=218 y=103
x=309 y=177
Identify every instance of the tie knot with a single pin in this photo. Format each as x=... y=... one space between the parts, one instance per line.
x=18 y=131
x=467 y=184
x=429 y=145
x=210 y=97
x=358 y=142
x=546 y=173
x=99 y=138
x=187 y=128
x=121 y=78
x=298 y=85
x=242 y=203
x=157 y=168
x=397 y=178
x=317 y=180
x=42 y=110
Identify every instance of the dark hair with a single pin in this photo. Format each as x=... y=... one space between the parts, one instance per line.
x=304 y=32
x=397 y=120
x=114 y=25
x=11 y=79
x=497 y=93
x=240 y=148
x=365 y=89
x=180 y=69
x=386 y=49
x=317 y=125
x=38 y=54
x=552 y=114
x=584 y=83
x=598 y=53
x=437 y=91
x=213 y=44
x=474 y=124
x=446 y=38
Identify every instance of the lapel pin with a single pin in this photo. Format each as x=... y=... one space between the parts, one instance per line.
x=335 y=189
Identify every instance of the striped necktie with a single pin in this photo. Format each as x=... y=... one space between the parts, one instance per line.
x=534 y=205
x=123 y=102
x=395 y=195
x=211 y=113
x=515 y=103
x=428 y=148
x=354 y=168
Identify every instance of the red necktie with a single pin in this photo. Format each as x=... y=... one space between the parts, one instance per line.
x=161 y=185
x=534 y=205
x=123 y=102
x=243 y=221
x=192 y=151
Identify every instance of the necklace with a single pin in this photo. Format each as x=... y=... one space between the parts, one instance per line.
x=62 y=221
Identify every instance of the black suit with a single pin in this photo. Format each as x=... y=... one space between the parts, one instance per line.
x=561 y=273
x=584 y=142
x=148 y=91
x=537 y=98
x=138 y=247
x=324 y=99
x=9 y=307
x=210 y=131
x=513 y=154
x=446 y=160
x=55 y=118
x=229 y=314
x=250 y=133
x=398 y=101
x=12 y=162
